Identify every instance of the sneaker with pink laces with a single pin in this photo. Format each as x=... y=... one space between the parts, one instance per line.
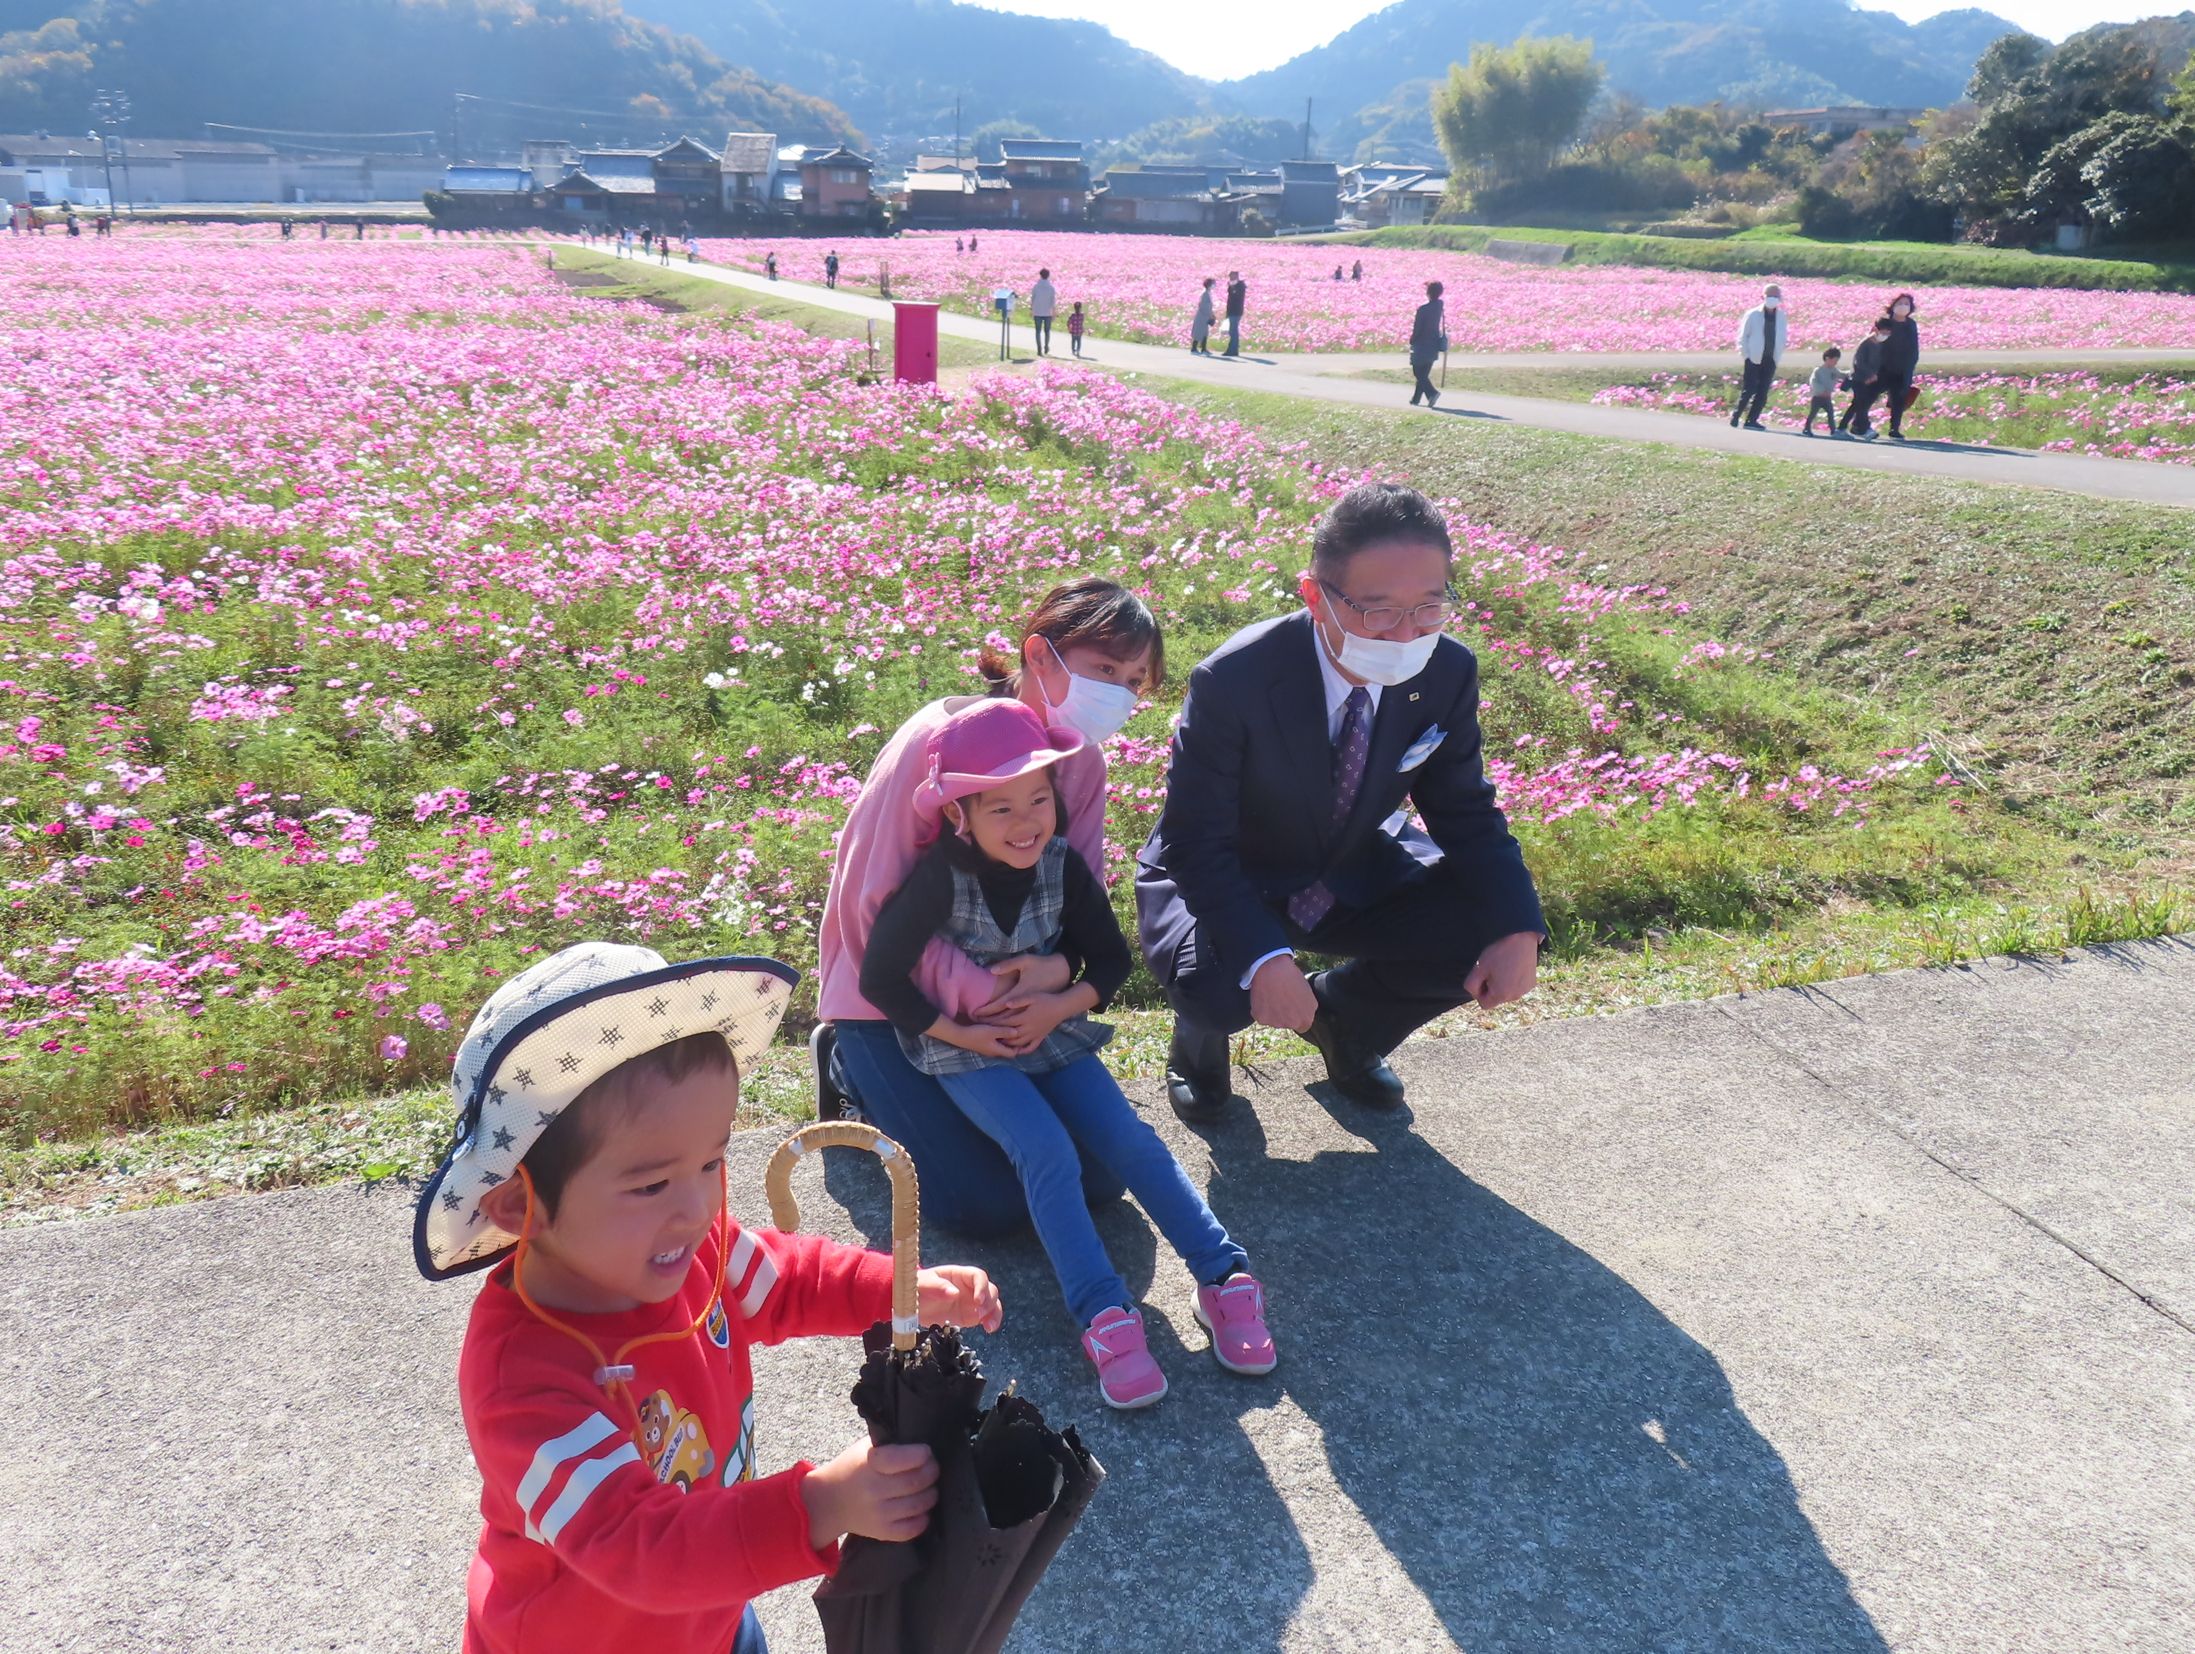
x=1127 y=1376
x=1234 y=1314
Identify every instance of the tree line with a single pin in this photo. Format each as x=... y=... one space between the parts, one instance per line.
x=2098 y=132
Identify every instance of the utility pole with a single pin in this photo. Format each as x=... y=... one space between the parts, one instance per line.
x=956 y=133
x=111 y=110
x=1306 y=129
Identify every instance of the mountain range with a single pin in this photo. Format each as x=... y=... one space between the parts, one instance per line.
x=891 y=71
x=897 y=65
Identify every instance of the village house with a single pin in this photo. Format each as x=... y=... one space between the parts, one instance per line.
x=1310 y=194
x=1181 y=197
x=1047 y=181
x=489 y=192
x=1378 y=194
x=834 y=183
x=746 y=169
x=204 y=171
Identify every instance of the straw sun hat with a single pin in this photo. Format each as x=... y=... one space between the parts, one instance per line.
x=546 y=1035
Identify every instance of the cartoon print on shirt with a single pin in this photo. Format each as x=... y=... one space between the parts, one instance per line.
x=676 y=1446
x=739 y=1464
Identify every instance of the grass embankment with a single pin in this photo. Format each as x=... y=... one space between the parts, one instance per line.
x=2041 y=644
x=1914 y=262
x=667 y=287
x=2138 y=413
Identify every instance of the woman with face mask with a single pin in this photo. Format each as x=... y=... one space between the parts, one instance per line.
x=1088 y=653
x=1901 y=355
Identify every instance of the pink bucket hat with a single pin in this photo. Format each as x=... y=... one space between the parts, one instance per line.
x=984 y=746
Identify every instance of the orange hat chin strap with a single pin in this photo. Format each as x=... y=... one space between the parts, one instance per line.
x=614 y=1372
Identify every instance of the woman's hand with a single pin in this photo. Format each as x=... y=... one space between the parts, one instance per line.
x=1025 y=975
x=962 y=1296
x=1039 y=1014
x=985 y=1039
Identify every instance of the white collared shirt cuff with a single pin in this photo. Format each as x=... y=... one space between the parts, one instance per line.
x=1277 y=953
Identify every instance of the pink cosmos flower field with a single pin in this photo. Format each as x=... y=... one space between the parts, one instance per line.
x=374 y=617
x=1145 y=287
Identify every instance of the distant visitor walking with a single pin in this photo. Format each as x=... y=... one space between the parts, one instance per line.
x=830 y=270
x=1200 y=325
x=1074 y=328
x=1237 y=293
x=1043 y=301
x=1901 y=355
x=1865 y=379
x=1428 y=341
x=1760 y=341
x=1822 y=393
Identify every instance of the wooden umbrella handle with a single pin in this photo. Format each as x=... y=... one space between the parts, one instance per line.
x=777 y=1183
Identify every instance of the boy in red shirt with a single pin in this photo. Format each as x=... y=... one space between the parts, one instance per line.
x=605 y=1379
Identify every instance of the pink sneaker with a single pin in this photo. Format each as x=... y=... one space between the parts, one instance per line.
x=1234 y=1313
x=1127 y=1376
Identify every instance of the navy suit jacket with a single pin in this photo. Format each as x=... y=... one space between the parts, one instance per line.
x=1250 y=800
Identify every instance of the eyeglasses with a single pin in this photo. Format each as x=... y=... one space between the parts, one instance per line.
x=1426 y=617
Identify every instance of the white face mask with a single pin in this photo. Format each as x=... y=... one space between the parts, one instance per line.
x=1381 y=660
x=1771 y=304
x=1094 y=709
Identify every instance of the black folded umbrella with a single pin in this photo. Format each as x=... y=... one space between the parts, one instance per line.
x=1010 y=1488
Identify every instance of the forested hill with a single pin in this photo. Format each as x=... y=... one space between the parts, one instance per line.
x=897 y=65
x=380 y=65
x=1758 y=52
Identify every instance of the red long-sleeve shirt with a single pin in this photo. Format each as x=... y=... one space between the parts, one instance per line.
x=593 y=1540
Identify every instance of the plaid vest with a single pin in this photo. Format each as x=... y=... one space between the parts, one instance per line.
x=974 y=930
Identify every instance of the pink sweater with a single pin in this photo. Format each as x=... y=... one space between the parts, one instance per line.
x=879 y=844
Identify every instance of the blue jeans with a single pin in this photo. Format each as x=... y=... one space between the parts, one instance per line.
x=1234 y=335
x=749 y=1640
x=1039 y=1119
x=967 y=1185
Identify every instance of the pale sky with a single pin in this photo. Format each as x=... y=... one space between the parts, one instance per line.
x=1221 y=44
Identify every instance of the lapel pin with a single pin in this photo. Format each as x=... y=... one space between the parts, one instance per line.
x=1413 y=694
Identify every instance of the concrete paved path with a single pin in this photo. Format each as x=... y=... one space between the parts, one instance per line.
x=2113 y=479
x=1855 y=1319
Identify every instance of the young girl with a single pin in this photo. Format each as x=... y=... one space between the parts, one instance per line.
x=1074 y=329
x=1000 y=880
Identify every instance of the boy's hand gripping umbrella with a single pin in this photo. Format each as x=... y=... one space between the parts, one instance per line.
x=1009 y=1487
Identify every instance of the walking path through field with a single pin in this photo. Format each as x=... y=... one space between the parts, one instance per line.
x=1333 y=379
x=1829 y=1321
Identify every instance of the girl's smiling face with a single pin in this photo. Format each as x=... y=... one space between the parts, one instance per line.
x=1012 y=822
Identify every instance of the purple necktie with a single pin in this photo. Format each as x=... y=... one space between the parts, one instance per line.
x=1307 y=907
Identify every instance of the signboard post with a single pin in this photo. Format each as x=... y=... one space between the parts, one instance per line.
x=1002 y=298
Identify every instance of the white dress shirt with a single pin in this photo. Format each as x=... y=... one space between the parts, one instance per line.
x=1337 y=702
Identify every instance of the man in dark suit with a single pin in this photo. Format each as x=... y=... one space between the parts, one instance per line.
x=1301 y=742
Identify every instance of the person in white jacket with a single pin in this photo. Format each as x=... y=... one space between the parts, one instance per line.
x=1043 y=301
x=1761 y=338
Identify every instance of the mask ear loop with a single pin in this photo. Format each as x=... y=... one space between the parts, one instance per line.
x=615 y=1372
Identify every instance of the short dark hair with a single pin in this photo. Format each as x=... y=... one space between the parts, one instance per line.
x=1433 y=289
x=1045 y=274
x=1088 y=609
x=1375 y=511
x=573 y=1136
x=1831 y=351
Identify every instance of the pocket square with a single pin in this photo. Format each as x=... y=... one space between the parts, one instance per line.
x=1422 y=748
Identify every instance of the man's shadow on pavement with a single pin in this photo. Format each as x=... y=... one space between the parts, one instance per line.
x=1554 y=1463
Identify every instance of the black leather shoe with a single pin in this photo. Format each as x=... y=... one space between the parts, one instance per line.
x=1362 y=1077
x=830 y=1099
x=1196 y=1077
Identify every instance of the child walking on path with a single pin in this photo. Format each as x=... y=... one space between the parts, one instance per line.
x=1074 y=329
x=1822 y=389
x=1865 y=379
x=1000 y=881
x=605 y=1379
